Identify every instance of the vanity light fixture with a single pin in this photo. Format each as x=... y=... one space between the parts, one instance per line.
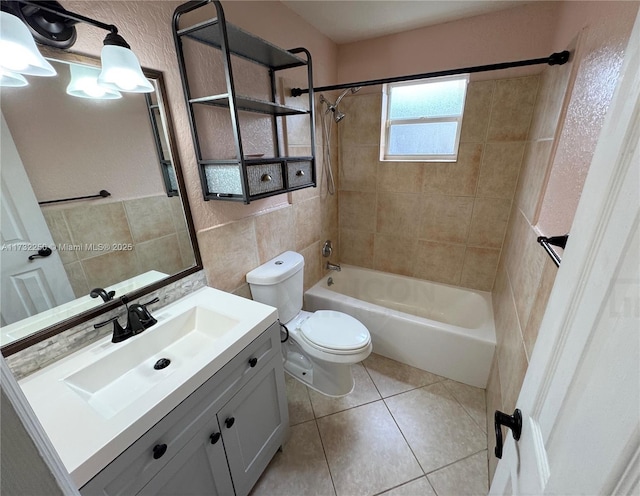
x=12 y=79
x=18 y=51
x=84 y=84
x=51 y=24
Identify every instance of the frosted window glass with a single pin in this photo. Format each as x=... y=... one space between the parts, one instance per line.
x=434 y=138
x=439 y=99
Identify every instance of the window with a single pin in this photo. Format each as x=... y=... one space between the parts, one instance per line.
x=421 y=120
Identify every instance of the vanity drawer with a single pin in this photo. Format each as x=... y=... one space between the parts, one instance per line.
x=299 y=174
x=265 y=178
x=136 y=466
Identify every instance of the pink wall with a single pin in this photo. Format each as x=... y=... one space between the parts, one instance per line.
x=514 y=34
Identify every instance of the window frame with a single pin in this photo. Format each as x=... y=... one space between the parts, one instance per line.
x=386 y=123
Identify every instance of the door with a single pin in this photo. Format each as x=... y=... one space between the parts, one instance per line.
x=28 y=286
x=199 y=468
x=580 y=399
x=253 y=423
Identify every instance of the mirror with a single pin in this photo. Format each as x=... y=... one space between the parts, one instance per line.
x=92 y=197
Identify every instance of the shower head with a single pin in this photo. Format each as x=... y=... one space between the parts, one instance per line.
x=333 y=107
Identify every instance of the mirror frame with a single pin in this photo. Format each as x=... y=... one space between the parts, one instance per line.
x=66 y=324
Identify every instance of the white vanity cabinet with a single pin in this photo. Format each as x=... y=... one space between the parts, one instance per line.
x=218 y=440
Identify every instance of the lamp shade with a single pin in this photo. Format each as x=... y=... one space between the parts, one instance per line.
x=18 y=51
x=12 y=79
x=84 y=84
x=121 y=71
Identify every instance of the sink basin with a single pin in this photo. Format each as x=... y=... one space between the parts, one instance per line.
x=113 y=382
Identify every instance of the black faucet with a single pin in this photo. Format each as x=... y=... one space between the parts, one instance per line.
x=102 y=294
x=138 y=319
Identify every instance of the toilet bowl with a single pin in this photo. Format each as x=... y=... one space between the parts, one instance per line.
x=320 y=347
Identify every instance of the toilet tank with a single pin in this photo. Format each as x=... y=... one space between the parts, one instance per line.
x=279 y=283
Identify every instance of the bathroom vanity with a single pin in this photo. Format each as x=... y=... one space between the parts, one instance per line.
x=209 y=422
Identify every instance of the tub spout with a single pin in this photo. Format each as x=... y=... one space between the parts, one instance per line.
x=331 y=266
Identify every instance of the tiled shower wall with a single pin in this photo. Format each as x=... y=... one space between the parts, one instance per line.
x=154 y=227
x=443 y=222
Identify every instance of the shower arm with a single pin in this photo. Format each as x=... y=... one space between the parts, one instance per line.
x=558 y=58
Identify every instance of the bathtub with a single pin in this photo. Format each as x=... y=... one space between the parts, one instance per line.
x=439 y=328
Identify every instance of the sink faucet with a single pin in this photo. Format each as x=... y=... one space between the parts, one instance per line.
x=138 y=319
x=102 y=294
x=331 y=266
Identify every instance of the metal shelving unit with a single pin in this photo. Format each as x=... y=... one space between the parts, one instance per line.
x=244 y=178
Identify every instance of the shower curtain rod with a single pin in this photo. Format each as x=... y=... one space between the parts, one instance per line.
x=558 y=58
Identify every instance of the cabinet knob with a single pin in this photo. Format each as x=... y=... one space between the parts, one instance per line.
x=215 y=437
x=300 y=173
x=266 y=178
x=253 y=362
x=159 y=450
x=229 y=422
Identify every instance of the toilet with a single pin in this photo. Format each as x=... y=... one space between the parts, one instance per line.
x=321 y=346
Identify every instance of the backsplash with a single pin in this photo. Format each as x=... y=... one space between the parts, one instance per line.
x=46 y=352
x=151 y=232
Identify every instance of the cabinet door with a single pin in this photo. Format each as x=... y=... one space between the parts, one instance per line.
x=199 y=468
x=254 y=423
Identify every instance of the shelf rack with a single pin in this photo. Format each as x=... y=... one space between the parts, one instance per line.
x=244 y=178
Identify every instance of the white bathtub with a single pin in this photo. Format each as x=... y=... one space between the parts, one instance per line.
x=443 y=329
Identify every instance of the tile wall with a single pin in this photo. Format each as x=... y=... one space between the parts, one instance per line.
x=153 y=227
x=443 y=222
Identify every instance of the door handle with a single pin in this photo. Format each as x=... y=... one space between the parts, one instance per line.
x=513 y=422
x=42 y=253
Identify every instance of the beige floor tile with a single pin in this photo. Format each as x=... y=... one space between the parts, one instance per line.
x=436 y=427
x=366 y=451
x=472 y=400
x=363 y=392
x=300 y=409
x=300 y=468
x=467 y=477
x=418 y=487
x=392 y=377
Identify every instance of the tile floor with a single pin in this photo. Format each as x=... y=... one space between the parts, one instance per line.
x=401 y=432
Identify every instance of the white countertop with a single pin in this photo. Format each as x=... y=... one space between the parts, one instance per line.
x=87 y=441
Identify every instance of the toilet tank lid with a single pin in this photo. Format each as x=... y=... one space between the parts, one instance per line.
x=277 y=269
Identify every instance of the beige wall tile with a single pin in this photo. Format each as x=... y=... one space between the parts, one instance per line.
x=357 y=210
x=361 y=126
x=439 y=262
x=477 y=109
x=445 y=218
x=356 y=248
x=226 y=268
x=549 y=273
x=394 y=254
x=479 y=269
x=110 y=268
x=149 y=218
x=60 y=233
x=186 y=250
x=161 y=254
x=177 y=213
x=358 y=167
x=513 y=364
x=77 y=279
x=489 y=222
x=500 y=169
x=105 y=223
x=400 y=177
x=312 y=264
x=275 y=233
x=307 y=222
x=397 y=213
x=454 y=178
x=512 y=108
x=535 y=166
x=504 y=308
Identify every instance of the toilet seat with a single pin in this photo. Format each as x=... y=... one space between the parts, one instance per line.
x=335 y=333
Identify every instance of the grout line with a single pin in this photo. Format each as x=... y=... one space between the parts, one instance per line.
x=467 y=411
x=453 y=463
x=405 y=438
x=326 y=460
x=399 y=485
